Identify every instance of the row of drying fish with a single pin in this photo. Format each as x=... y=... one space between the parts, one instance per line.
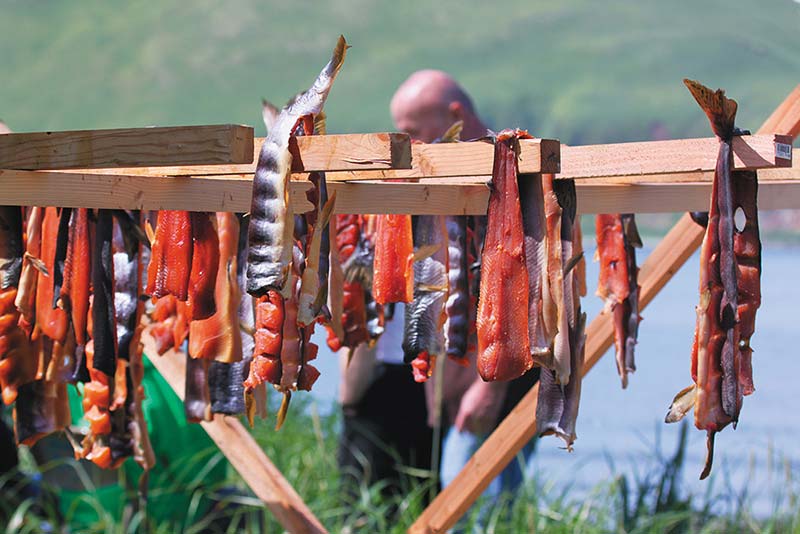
x=70 y=313
x=74 y=284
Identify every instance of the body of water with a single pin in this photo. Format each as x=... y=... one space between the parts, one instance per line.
x=626 y=426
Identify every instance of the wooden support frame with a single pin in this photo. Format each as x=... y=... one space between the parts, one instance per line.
x=520 y=425
x=665 y=187
x=91 y=169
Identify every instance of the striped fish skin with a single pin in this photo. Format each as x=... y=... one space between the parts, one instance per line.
x=457 y=324
x=270 y=230
x=423 y=332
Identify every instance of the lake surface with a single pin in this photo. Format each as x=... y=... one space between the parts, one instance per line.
x=624 y=425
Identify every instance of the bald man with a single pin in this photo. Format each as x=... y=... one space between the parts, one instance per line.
x=377 y=391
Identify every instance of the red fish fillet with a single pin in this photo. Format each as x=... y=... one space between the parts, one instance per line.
x=503 y=345
x=171 y=256
x=217 y=338
x=205 y=263
x=394 y=252
x=51 y=321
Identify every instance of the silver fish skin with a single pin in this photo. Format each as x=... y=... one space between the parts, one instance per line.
x=457 y=309
x=226 y=387
x=270 y=233
x=425 y=314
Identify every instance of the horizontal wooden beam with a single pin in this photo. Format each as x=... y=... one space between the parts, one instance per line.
x=311 y=153
x=127 y=147
x=241 y=450
x=779 y=189
x=674 y=156
x=462 y=159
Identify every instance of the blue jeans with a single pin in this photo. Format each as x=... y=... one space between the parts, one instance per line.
x=458 y=448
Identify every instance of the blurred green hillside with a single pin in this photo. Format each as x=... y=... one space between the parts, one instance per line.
x=580 y=71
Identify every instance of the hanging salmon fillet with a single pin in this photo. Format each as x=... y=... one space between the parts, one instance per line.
x=503 y=342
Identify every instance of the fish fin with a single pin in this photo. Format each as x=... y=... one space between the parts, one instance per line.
x=720 y=110
x=430 y=288
x=250 y=408
x=681 y=404
x=149 y=232
x=630 y=230
x=38 y=264
x=319 y=123
x=709 y=455
x=339 y=52
x=282 y=411
x=269 y=113
x=572 y=262
x=426 y=252
x=247 y=328
x=453 y=134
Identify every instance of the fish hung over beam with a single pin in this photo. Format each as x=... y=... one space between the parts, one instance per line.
x=730 y=291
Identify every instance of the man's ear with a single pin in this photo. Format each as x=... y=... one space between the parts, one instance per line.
x=456 y=111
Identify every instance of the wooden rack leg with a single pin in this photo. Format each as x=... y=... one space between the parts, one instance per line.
x=243 y=452
x=520 y=425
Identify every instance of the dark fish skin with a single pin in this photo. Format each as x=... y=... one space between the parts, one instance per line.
x=41 y=408
x=197 y=399
x=104 y=332
x=32 y=413
x=126 y=291
x=61 y=253
x=375 y=316
x=457 y=325
x=120 y=440
x=729 y=314
x=225 y=384
x=11 y=250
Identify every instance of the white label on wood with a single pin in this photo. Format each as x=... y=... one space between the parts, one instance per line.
x=783 y=151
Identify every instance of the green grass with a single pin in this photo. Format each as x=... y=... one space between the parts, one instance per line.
x=574 y=70
x=652 y=500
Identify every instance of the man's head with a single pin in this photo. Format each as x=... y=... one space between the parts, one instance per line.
x=429 y=102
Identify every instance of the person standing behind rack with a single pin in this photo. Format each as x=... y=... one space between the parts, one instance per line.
x=384 y=410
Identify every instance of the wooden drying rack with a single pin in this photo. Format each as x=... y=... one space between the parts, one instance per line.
x=210 y=168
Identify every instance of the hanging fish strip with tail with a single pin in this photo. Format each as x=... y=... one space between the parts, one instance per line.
x=282 y=270
x=730 y=287
x=530 y=287
x=617 y=239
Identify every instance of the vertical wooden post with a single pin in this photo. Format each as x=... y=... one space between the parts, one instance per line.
x=520 y=425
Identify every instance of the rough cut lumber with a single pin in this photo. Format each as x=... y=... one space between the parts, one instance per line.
x=127 y=147
x=463 y=159
x=233 y=193
x=750 y=152
x=242 y=451
x=311 y=153
x=519 y=426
